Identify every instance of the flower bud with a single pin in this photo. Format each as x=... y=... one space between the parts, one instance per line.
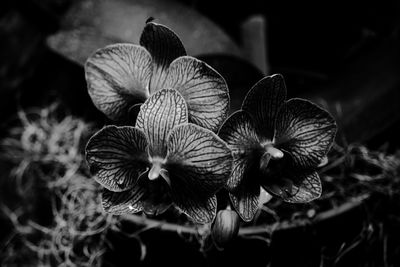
x=226 y=227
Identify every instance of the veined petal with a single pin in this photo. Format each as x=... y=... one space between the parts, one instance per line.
x=158 y=115
x=197 y=160
x=245 y=197
x=203 y=88
x=305 y=131
x=164 y=46
x=239 y=132
x=152 y=197
x=117 y=77
x=306 y=188
x=295 y=187
x=117 y=156
x=263 y=102
x=122 y=202
x=199 y=164
x=200 y=211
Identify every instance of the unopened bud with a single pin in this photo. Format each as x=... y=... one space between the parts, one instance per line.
x=226 y=227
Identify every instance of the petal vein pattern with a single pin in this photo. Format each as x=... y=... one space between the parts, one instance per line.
x=158 y=116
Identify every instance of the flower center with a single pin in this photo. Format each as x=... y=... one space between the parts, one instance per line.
x=270 y=152
x=157 y=170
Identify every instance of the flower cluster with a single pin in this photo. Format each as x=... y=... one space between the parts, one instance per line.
x=171 y=154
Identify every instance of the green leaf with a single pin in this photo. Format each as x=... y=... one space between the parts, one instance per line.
x=199 y=164
x=239 y=132
x=204 y=90
x=305 y=131
x=245 y=198
x=263 y=102
x=152 y=197
x=158 y=115
x=117 y=156
x=117 y=77
x=164 y=46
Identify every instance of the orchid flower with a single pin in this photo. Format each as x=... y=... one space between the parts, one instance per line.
x=276 y=144
x=161 y=161
x=120 y=76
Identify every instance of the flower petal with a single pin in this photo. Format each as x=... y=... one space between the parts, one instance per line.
x=245 y=198
x=263 y=102
x=152 y=197
x=204 y=90
x=200 y=211
x=239 y=132
x=306 y=188
x=198 y=160
x=199 y=164
x=305 y=131
x=164 y=46
x=117 y=156
x=117 y=77
x=158 y=115
x=122 y=202
x=296 y=187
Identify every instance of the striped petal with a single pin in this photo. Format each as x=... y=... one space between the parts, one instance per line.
x=245 y=197
x=305 y=131
x=263 y=102
x=295 y=186
x=152 y=197
x=158 y=115
x=164 y=46
x=239 y=132
x=199 y=164
x=117 y=77
x=117 y=157
x=200 y=211
x=122 y=202
x=204 y=90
